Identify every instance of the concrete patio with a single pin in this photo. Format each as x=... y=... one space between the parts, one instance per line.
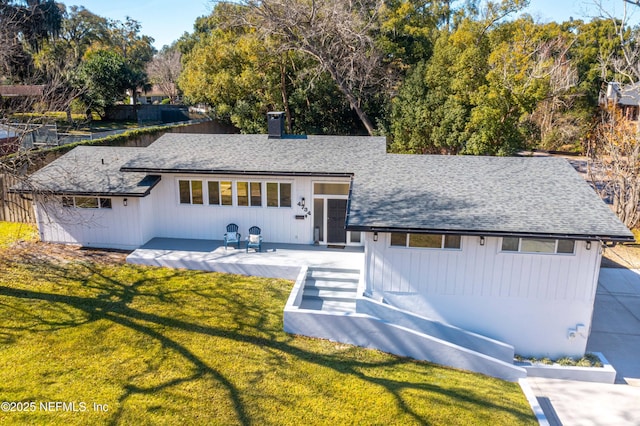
x=274 y=261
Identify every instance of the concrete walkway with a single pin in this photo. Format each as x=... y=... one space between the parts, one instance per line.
x=616 y=333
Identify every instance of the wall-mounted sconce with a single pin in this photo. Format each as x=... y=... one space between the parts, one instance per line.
x=481 y=241
x=375 y=236
x=124 y=202
x=588 y=245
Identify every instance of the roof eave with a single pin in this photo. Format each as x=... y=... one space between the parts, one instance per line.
x=233 y=172
x=480 y=233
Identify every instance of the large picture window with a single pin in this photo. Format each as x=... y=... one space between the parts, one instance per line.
x=434 y=241
x=537 y=245
x=190 y=191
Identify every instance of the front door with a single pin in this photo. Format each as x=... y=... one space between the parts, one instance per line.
x=336 y=217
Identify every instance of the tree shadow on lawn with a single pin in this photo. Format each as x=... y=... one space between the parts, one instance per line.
x=112 y=304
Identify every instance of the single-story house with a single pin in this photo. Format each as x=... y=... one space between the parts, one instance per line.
x=626 y=97
x=508 y=248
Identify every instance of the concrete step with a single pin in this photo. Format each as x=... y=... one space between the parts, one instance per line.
x=337 y=295
x=331 y=284
x=327 y=305
x=334 y=273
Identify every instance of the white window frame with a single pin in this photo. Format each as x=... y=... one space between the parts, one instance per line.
x=279 y=195
x=407 y=240
x=249 y=182
x=191 y=203
x=219 y=181
x=555 y=249
x=74 y=203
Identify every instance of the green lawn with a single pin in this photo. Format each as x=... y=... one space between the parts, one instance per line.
x=11 y=232
x=162 y=346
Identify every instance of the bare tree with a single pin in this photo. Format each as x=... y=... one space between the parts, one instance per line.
x=337 y=34
x=614 y=148
x=614 y=157
x=164 y=69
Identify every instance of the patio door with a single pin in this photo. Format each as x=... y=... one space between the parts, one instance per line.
x=336 y=216
x=330 y=214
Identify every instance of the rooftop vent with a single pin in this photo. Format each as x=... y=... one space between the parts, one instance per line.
x=275 y=124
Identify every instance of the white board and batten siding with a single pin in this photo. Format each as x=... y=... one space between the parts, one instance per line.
x=160 y=214
x=171 y=219
x=120 y=227
x=530 y=301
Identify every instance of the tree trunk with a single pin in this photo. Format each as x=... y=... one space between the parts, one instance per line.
x=285 y=98
x=353 y=101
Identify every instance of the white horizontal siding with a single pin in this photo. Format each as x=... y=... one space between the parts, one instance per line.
x=508 y=296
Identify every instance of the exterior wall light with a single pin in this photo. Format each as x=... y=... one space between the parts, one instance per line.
x=124 y=202
x=375 y=236
x=481 y=241
x=588 y=245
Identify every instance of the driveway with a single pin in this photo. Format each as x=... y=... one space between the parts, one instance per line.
x=616 y=333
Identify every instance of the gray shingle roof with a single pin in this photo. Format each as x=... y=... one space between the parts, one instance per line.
x=233 y=153
x=482 y=195
x=419 y=193
x=93 y=171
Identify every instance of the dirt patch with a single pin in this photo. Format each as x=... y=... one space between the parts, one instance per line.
x=622 y=256
x=63 y=253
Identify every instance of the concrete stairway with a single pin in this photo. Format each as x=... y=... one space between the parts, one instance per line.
x=330 y=289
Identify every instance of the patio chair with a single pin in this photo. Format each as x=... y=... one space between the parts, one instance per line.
x=254 y=239
x=232 y=235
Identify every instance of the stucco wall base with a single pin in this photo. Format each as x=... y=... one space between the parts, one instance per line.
x=464 y=338
x=370 y=332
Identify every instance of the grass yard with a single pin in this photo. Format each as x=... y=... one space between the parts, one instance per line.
x=13 y=232
x=176 y=347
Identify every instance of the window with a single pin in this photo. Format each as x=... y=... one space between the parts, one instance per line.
x=220 y=193
x=537 y=245
x=249 y=193
x=399 y=240
x=226 y=193
x=87 y=202
x=256 y=193
x=214 y=193
x=190 y=191
x=425 y=240
x=331 y=188
x=278 y=194
x=243 y=193
x=436 y=241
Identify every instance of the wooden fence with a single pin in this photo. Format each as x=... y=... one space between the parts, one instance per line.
x=13 y=207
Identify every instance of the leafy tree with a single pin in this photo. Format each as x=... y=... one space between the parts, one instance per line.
x=136 y=49
x=434 y=104
x=23 y=26
x=229 y=69
x=337 y=35
x=103 y=77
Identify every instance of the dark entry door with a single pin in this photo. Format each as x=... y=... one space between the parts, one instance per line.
x=336 y=216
